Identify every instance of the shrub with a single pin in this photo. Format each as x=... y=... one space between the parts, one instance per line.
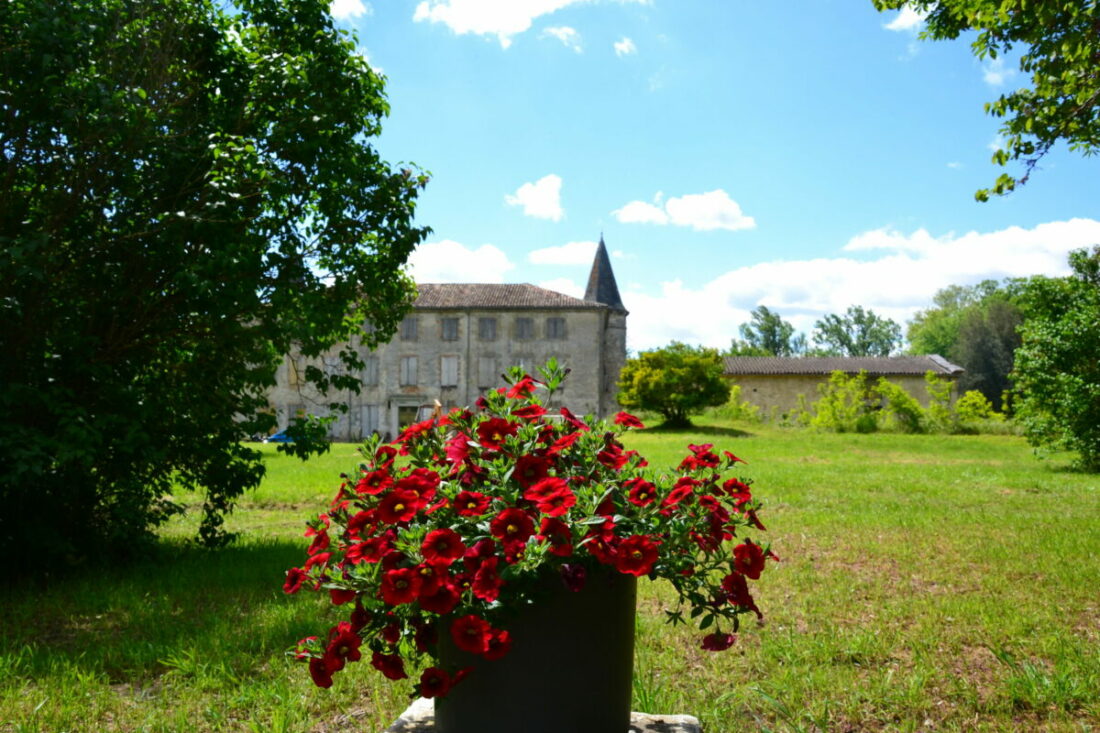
x=739 y=409
x=940 y=414
x=846 y=404
x=900 y=410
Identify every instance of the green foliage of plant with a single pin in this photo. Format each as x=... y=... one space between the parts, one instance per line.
x=1058 y=364
x=940 y=414
x=846 y=404
x=901 y=412
x=973 y=406
x=859 y=332
x=737 y=408
x=190 y=191
x=1058 y=44
x=676 y=381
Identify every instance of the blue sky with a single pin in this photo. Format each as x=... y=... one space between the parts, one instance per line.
x=805 y=156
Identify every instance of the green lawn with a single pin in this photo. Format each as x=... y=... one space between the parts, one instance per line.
x=927 y=583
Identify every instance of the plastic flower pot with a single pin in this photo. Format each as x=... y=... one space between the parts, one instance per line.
x=569 y=669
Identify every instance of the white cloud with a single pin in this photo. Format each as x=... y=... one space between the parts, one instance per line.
x=568 y=36
x=563 y=285
x=348 y=9
x=904 y=273
x=541 y=199
x=907 y=19
x=501 y=18
x=625 y=47
x=573 y=253
x=997 y=143
x=954 y=165
x=448 y=261
x=700 y=211
x=994 y=72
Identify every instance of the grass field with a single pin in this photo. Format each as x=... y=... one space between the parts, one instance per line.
x=927 y=583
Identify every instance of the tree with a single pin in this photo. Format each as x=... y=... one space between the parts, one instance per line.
x=188 y=189
x=1059 y=52
x=1058 y=363
x=768 y=335
x=858 y=332
x=676 y=381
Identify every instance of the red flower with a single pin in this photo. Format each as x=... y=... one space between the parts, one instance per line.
x=320 y=673
x=732 y=458
x=391 y=665
x=458 y=449
x=562 y=443
x=627 y=420
x=512 y=526
x=442 y=547
x=684 y=488
x=612 y=456
x=557 y=533
x=552 y=496
x=340 y=596
x=415 y=429
x=500 y=642
x=487 y=582
x=390 y=633
x=422 y=481
x=529 y=412
x=713 y=506
x=294 y=578
x=748 y=559
x=573 y=419
x=385 y=455
x=471 y=634
x=443 y=601
x=343 y=646
x=434 y=682
x=635 y=555
x=400 y=586
x=530 y=470
x=374 y=482
x=400 y=505
x=718 y=642
x=522 y=389
x=642 y=492
x=319 y=559
x=471 y=504
x=493 y=432
x=475 y=555
x=431 y=577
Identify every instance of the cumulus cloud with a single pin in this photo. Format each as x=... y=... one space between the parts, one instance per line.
x=625 y=47
x=541 y=199
x=348 y=9
x=447 y=261
x=700 y=211
x=568 y=36
x=572 y=253
x=501 y=18
x=563 y=285
x=995 y=73
x=902 y=274
x=907 y=19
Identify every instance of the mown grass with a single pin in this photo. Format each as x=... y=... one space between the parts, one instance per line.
x=927 y=583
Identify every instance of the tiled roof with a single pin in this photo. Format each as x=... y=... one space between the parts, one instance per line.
x=873 y=365
x=495 y=295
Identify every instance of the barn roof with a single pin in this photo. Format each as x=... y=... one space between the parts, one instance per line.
x=821 y=365
x=438 y=296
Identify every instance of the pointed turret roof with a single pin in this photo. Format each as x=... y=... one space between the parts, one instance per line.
x=601 y=281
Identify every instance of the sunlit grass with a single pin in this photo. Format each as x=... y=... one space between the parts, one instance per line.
x=926 y=582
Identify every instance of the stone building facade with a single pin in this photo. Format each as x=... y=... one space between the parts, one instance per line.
x=458 y=340
x=775 y=382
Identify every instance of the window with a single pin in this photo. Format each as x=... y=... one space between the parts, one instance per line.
x=486 y=372
x=408 y=371
x=370 y=371
x=525 y=328
x=487 y=329
x=448 y=371
x=409 y=328
x=555 y=328
x=406 y=415
x=450 y=329
x=370 y=417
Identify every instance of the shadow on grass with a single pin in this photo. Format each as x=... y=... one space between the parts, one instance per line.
x=142 y=619
x=699 y=430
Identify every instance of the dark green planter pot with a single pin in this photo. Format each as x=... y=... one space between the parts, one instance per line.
x=570 y=667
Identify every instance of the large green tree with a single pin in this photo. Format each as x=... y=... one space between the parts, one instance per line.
x=187 y=189
x=677 y=381
x=1058 y=364
x=767 y=334
x=1058 y=50
x=858 y=332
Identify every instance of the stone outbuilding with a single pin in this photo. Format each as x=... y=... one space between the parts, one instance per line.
x=775 y=382
x=458 y=340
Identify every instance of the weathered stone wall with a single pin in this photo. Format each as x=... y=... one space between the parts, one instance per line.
x=591 y=347
x=780 y=391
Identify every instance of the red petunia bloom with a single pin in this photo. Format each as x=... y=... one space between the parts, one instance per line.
x=552 y=496
x=500 y=642
x=612 y=456
x=442 y=547
x=458 y=449
x=391 y=665
x=400 y=505
x=733 y=459
x=443 y=601
x=573 y=419
x=385 y=455
x=684 y=488
x=471 y=504
x=636 y=555
x=718 y=641
x=493 y=432
x=529 y=412
x=318 y=559
x=477 y=553
x=390 y=633
x=416 y=429
x=642 y=492
x=434 y=682
x=431 y=577
x=522 y=389
x=471 y=634
x=339 y=596
x=400 y=586
x=294 y=578
x=557 y=533
x=562 y=443
x=343 y=646
x=421 y=480
x=374 y=482
x=512 y=526
x=320 y=673
x=530 y=470
x=748 y=559
x=627 y=420
x=487 y=582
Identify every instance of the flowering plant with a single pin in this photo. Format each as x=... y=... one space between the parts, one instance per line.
x=452 y=526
